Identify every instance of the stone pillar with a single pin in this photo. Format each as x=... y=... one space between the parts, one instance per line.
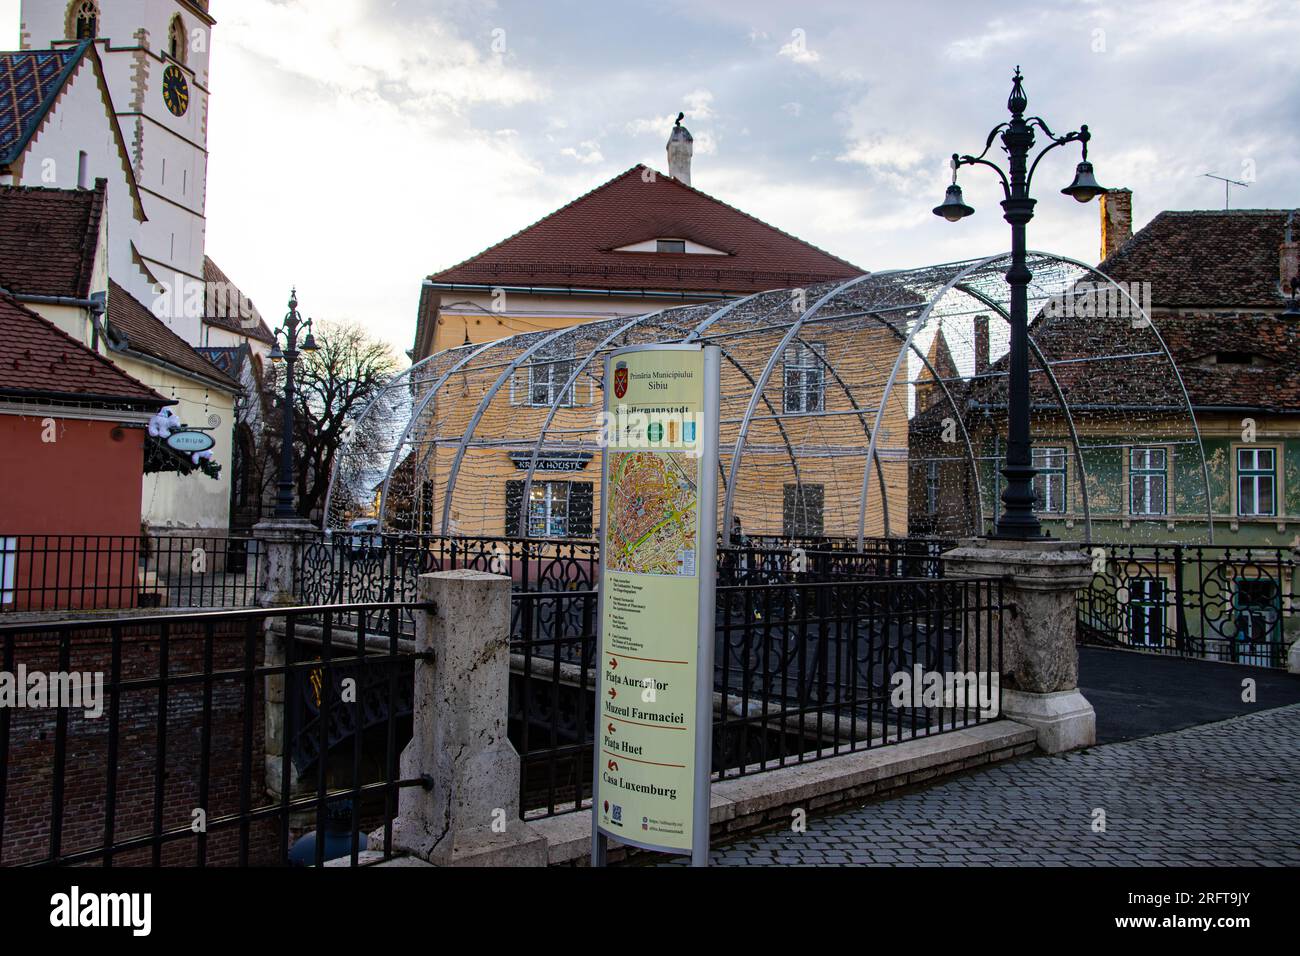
x=279 y=542
x=1040 y=662
x=469 y=816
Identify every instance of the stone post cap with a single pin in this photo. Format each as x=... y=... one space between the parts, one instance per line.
x=284 y=527
x=1029 y=563
x=463 y=574
x=434 y=581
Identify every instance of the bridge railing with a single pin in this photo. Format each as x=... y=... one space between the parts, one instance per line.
x=354 y=566
x=802 y=671
x=142 y=740
x=96 y=572
x=1216 y=602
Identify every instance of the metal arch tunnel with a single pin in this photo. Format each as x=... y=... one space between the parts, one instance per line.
x=930 y=294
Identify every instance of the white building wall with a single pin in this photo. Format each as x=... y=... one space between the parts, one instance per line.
x=168 y=153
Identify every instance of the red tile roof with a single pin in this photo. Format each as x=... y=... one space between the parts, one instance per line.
x=574 y=246
x=138 y=329
x=40 y=361
x=48 y=239
x=1206 y=258
x=222 y=300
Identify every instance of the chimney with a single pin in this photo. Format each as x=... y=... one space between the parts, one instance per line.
x=981 y=344
x=1289 y=256
x=680 y=147
x=1116 y=220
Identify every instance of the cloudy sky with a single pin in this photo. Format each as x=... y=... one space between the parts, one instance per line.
x=358 y=145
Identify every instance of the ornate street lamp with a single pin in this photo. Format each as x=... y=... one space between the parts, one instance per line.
x=293 y=323
x=1018 y=520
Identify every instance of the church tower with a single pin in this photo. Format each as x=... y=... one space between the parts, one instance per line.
x=156 y=57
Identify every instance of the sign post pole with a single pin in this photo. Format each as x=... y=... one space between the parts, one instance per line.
x=658 y=572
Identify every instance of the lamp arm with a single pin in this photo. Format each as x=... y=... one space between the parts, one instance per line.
x=1056 y=141
x=980 y=161
x=988 y=143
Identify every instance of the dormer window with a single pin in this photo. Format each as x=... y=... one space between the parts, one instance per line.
x=672 y=246
x=1233 y=358
x=83 y=19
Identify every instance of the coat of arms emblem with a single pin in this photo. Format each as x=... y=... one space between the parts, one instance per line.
x=620 y=380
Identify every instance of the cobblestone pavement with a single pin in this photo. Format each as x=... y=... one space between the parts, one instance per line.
x=1222 y=794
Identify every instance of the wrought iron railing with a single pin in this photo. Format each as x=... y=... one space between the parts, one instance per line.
x=1216 y=602
x=165 y=764
x=802 y=671
x=124 y=572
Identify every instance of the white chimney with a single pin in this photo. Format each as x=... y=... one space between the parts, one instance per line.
x=680 y=147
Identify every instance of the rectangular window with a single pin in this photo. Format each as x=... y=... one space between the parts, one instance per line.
x=1146 y=612
x=1256 y=482
x=547 y=377
x=556 y=509
x=803 y=511
x=670 y=245
x=548 y=509
x=1257 y=614
x=1049 y=483
x=932 y=487
x=1148 y=481
x=805 y=377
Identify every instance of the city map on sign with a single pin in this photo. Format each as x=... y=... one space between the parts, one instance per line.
x=652 y=512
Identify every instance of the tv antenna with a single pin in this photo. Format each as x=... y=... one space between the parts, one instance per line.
x=1227 y=184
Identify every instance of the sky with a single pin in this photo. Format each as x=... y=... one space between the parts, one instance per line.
x=357 y=146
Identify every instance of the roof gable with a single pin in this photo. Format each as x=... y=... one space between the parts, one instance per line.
x=49 y=238
x=27 y=122
x=39 y=360
x=577 y=245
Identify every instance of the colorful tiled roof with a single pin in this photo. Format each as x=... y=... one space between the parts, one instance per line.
x=29 y=82
x=575 y=245
x=39 y=361
x=138 y=329
x=1206 y=258
x=48 y=239
x=222 y=295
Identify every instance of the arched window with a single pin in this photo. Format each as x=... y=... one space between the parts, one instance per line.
x=83 y=19
x=176 y=40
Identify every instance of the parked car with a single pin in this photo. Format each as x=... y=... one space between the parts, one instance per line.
x=364 y=536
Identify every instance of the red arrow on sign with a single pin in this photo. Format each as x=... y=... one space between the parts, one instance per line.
x=612 y=765
x=611 y=728
x=613 y=664
x=612 y=693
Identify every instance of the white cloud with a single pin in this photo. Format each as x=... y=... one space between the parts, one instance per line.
x=588 y=153
x=351 y=48
x=883 y=151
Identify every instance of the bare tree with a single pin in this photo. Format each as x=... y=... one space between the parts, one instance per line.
x=332 y=386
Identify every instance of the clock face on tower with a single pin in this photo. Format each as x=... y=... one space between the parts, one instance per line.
x=176 y=91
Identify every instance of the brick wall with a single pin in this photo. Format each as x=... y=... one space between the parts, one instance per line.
x=30 y=793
